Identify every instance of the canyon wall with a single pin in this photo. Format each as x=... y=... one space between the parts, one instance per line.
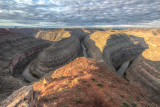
x=114 y=49
x=16 y=51
x=58 y=54
x=145 y=69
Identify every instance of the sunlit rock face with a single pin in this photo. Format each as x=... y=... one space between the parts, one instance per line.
x=53 y=35
x=115 y=49
x=58 y=54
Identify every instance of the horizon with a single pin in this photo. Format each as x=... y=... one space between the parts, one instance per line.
x=79 y=14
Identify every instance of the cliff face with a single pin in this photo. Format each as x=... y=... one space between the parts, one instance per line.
x=16 y=51
x=146 y=75
x=53 y=35
x=145 y=71
x=86 y=83
x=114 y=49
x=58 y=54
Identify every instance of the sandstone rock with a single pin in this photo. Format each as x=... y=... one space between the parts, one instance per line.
x=114 y=49
x=146 y=75
x=8 y=84
x=58 y=54
x=16 y=51
x=53 y=35
x=23 y=97
x=87 y=83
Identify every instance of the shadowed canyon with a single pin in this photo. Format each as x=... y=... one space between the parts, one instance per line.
x=79 y=67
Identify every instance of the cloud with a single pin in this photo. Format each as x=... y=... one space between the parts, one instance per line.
x=65 y=13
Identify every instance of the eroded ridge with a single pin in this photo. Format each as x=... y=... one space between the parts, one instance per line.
x=145 y=74
x=58 y=54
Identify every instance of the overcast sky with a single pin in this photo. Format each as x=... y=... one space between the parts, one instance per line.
x=80 y=13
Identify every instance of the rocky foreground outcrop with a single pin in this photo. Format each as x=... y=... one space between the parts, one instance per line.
x=81 y=83
x=86 y=83
x=58 y=54
x=16 y=51
x=23 y=97
x=114 y=49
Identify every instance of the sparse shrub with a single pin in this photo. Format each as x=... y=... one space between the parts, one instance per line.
x=62 y=77
x=93 y=79
x=88 y=84
x=65 y=105
x=77 y=100
x=121 y=95
x=132 y=103
x=100 y=84
x=54 y=97
x=124 y=104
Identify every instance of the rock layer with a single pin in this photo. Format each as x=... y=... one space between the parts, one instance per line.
x=16 y=51
x=53 y=35
x=58 y=54
x=8 y=84
x=24 y=97
x=118 y=49
x=146 y=74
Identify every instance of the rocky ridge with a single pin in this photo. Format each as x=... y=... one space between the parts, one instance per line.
x=81 y=83
x=58 y=54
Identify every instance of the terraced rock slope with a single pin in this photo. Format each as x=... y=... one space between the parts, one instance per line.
x=114 y=49
x=16 y=51
x=58 y=54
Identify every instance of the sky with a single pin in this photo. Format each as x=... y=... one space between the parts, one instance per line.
x=80 y=13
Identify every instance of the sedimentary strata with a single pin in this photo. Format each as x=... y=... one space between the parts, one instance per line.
x=119 y=48
x=16 y=51
x=146 y=74
x=8 y=84
x=58 y=54
x=53 y=35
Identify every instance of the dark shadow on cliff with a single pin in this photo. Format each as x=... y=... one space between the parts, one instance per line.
x=121 y=48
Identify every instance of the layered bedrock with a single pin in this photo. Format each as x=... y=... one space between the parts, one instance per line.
x=53 y=35
x=146 y=75
x=7 y=85
x=16 y=51
x=145 y=69
x=58 y=54
x=116 y=50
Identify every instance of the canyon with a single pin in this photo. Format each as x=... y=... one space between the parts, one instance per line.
x=121 y=62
